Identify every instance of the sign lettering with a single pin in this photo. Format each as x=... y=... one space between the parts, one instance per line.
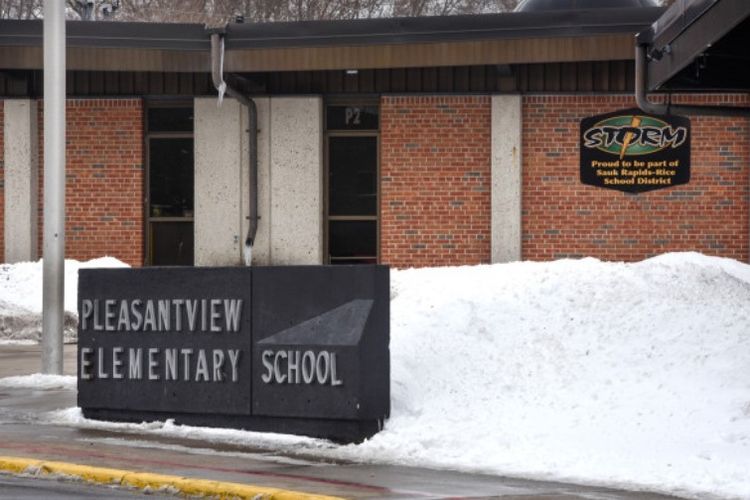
x=161 y=315
x=295 y=367
x=352 y=116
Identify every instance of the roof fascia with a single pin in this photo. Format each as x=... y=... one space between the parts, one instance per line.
x=172 y=36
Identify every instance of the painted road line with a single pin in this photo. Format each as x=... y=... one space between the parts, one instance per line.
x=147 y=480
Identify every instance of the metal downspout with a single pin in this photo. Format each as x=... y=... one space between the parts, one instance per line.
x=217 y=56
x=641 y=97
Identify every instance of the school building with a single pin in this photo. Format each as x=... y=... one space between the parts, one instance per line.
x=410 y=142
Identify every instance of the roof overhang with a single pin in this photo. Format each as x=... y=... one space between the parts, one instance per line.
x=699 y=45
x=509 y=38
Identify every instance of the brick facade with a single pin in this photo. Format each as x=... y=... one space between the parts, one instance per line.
x=435 y=180
x=104 y=179
x=435 y=184
x=563 y=218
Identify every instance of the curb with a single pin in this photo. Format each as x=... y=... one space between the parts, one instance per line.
x=148 y=480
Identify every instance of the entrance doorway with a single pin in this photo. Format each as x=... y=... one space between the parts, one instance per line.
x=352 y=201
x=169 y=193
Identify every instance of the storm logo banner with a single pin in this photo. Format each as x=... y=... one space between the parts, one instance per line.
x=633 y=152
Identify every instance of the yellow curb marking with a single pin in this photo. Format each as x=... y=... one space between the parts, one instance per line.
x=143 y=480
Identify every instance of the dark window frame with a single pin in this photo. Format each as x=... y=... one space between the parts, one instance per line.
x=148 y=219
x=371 y=101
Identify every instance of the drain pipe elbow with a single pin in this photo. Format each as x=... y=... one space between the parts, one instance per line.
x=641 y=98
x=217 y=76
x=217 y=56
x=217 y=70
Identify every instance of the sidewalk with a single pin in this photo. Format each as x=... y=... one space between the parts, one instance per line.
x=27 y=359
x=18 y=360
x=26 y=432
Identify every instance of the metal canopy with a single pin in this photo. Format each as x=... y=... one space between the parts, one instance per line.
x=699 y=45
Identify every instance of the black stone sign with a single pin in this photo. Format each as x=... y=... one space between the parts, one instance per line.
x=633 y=152
x=333 y=341
x=297 y=349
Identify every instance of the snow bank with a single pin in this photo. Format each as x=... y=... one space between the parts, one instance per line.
x=39 y=381
x=21 y=297
x=17 y=342
x=630 y=375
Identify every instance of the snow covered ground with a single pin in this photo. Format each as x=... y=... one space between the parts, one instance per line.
x=628 y=375
x=38 y=381
x=21 y=298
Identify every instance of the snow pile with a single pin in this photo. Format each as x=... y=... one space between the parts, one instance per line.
x=21 y=297
x=621 y=374
x=17 y=342
x=286 y=443
x=39 y=381
x=629 y=375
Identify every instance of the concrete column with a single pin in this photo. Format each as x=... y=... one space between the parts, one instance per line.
x=290 y=173
x=219 y=137
x=296 y=182
x=21 y=180
x=506 y=178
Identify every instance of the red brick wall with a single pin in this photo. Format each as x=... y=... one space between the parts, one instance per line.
x=104 y=179
x=435 y=180
x=435 y=184
x=563 y=218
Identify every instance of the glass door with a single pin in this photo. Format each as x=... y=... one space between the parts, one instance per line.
x=352 y=183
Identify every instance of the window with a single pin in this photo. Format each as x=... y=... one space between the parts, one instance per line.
x=352 y=183
x=169 y=197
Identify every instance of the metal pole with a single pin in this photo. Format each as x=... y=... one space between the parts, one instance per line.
x=54 y=187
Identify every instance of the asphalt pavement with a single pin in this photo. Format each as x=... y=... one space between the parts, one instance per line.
x=31 y=488
x=26 y=432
